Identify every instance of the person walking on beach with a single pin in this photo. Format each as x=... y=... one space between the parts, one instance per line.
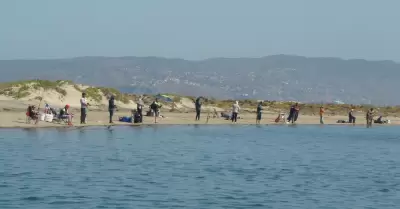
x=139 y=108
x=155 y=106
x=84 y=105
x=198 y=104
x=370 y=117
x=259 y=109
x=111 y=107
x=321 y=115
x=235 y=111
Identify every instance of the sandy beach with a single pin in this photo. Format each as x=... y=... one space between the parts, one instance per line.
x=178 y=112
x=17 y=119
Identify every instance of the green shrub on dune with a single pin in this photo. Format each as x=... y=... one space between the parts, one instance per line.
x=117 y=94
x=21 y=89
x=94 y=94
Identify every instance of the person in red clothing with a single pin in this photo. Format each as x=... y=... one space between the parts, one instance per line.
x=321 y=115
x=64 y=113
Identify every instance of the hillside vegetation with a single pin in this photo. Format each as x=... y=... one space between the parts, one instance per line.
x=62 y=91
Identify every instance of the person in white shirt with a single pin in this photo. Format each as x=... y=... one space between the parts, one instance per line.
x=235 y=111
x=84 y=105
x=139 y=108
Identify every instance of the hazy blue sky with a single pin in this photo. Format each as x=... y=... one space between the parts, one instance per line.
x=197 y=29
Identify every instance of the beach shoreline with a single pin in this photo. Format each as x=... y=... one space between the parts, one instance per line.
x=17 y=120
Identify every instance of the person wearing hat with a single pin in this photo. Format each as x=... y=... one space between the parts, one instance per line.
x=64 y=113
x=84 y=105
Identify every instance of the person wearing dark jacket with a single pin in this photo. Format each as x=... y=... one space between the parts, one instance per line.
x=291 y=114
x=111 y=107
x=156 y=106
x=259 y=112
x=294 y=113
x=198 y=107
x=352 y=118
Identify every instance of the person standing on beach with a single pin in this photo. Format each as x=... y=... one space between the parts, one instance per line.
x=155 y=106
x=370 y=117
x=291 y=114
x=84 y=105
x=352 y=118
x=235 y=111
x=111 y=107
x=139 y=108
x=259 y=109
x=198 y=104
x=321 y=115
x=296 y=112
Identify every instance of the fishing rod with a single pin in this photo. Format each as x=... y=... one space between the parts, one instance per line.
x=40 y=102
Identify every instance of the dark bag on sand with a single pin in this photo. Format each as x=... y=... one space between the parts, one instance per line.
x=125 y=119
x=278 y=119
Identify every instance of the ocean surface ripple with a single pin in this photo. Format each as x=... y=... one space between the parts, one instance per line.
x=201 y=167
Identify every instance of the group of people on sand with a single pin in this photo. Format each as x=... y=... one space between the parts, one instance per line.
x=292 y=117
x=154 y=110
x=233 y=116
x=64 y=113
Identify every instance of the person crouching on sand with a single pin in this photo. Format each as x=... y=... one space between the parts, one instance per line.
x=259 y=112
x=235 y=111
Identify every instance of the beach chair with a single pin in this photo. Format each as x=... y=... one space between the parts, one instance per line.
x=58 y=118
x=28 y=118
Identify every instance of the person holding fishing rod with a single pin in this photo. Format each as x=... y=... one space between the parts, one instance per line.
x=198 y=104
x=84 y=105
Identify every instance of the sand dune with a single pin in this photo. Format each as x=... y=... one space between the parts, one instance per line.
x=12 y=110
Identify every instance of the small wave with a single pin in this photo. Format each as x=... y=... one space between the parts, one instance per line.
x=32 y=198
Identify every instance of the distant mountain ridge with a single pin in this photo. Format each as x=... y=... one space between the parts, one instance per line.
x=276 y=77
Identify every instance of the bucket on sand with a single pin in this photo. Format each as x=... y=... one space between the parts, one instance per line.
x=49 y=117
x=42 y=117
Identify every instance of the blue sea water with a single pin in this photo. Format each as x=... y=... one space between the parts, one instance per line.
x=201 y=167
